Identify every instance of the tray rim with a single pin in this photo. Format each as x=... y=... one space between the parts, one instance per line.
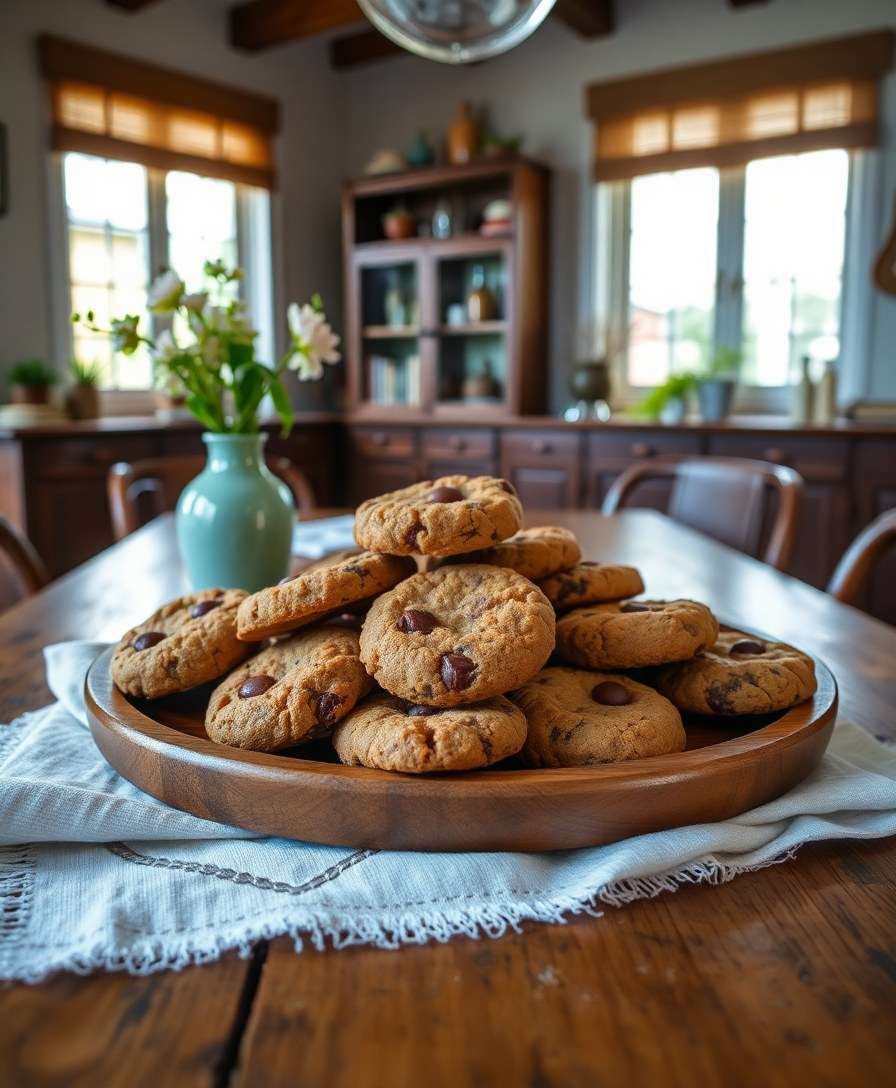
x=109 y=709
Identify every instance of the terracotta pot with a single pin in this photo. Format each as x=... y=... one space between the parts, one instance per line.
x=462 y=136
x=29 y=394
x=83 y=401
x=398 y=225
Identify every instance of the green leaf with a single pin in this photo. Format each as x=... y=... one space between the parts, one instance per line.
x=282 y=404
x=202 y=412
x=239 y=353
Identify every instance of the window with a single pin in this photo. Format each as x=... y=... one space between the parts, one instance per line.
x=125 y=222
x=746 y=258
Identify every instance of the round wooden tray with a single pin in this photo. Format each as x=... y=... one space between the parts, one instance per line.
x=729 y=766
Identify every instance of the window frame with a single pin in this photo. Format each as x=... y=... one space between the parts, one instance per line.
x=612 y=219
x=255 y=254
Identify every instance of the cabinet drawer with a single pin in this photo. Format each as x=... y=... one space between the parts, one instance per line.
x=383 y=442
x=822 y=458
x=540 y=447
x=454 y=445
x=618 y=450
x=67 y=456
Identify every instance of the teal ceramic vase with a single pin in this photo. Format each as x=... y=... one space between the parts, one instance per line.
x=234 y=521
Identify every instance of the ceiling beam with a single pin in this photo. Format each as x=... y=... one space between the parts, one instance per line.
x=588 y=18
x=258 y=24
x=362 y=48
x=130 y=5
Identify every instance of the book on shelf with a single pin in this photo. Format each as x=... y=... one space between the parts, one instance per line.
x=394 y=381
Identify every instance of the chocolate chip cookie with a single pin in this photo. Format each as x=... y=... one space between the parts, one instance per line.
x=393 y=735
x=534 y=553
x=346 y=579
x=459 y=634
x=630 y=634
x=296 y=690
x=740 y=674
x=187 y=642
x=448 y=516
x=590 y=583
x=578 y=718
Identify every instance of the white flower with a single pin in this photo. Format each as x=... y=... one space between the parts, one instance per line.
x=166 y=347
x=165 y=293
x=314 y=342
x=125 y=337
x=196 y=301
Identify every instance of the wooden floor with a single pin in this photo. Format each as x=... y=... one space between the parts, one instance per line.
x=785 y=976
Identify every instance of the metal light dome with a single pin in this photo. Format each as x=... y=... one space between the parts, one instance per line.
x=457 y=31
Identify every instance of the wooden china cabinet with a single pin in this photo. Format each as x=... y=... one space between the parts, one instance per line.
x=449 y=319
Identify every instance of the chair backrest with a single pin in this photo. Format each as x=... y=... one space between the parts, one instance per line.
x=23 y=570
x=141 y=490
x=727 y=498
x=857 y=563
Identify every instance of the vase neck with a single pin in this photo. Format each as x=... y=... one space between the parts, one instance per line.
x=227 y=452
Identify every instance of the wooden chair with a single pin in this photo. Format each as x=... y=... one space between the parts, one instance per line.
x=726 y=498
x=22 y=562
x=141 y=490
x=857 y=564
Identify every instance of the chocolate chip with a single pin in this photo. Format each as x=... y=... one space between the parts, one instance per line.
x=445 y=494
x=415 y=621
x=325 y=706
x=747 y=646
x=507 y=486
x=410 y=537
x=147 y=639
x=634 y=606
x=456 y=671
x=609 y=693
x=203 y=607
x=417 y=710
x=255 y=685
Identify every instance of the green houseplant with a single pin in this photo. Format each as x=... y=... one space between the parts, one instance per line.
x=715 y=388
x=30 y=381
x=82 y=401
x=668 y=402
x=235 y=520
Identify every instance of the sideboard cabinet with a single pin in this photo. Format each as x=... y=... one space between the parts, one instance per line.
x=849 y=471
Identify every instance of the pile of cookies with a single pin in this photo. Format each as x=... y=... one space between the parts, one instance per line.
x=429 y=649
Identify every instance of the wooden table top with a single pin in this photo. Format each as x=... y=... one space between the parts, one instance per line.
x=783 y=976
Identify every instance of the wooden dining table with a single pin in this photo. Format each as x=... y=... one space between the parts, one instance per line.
x=783 y=976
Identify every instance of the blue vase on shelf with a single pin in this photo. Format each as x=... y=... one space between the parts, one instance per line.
x=235 y=519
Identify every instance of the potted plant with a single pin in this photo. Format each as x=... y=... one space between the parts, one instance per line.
x=668 y=402
x=30 y=382
x=83 y=400
x=398 y=223
x=234 y=521
x=715 y=388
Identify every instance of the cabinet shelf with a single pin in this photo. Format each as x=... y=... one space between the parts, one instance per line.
x=471 y=242
x=390 y=332
x=474 y=328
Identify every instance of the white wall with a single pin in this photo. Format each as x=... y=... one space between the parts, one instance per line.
x=538 y=89
x=190 y=35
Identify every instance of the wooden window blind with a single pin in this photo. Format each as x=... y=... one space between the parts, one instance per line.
x=729 y=112
x=111 y=105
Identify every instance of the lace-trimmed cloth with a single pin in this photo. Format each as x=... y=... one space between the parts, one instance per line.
x=95 y=874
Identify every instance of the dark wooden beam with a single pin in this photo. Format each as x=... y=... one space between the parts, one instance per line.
x=130 y=5
x=745 y=3
x=589 y=18
x=361 y=48
x=258 y=24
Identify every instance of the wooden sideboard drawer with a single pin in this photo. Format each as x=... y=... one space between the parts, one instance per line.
x=383 y=442
x=822 y=458
x=471 y=444
x=617 y=450
x=540 y=447
x=62 y=456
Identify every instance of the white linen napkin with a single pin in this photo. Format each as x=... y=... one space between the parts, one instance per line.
x=95 y=874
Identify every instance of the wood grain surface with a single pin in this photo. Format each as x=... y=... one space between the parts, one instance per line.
x=786 y=976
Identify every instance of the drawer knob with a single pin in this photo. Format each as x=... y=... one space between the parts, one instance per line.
x=541 y=446
x=380 y=439
x=458 y=444
x=642 y=449
x=776 y=455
